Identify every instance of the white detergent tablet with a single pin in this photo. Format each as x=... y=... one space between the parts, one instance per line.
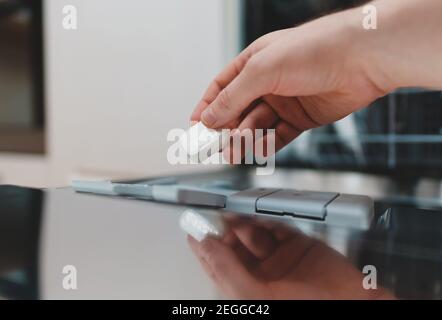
x=199 y=225
x=200 y=142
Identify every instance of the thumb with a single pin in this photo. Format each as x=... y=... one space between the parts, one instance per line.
x=251 y=84
x=225 y=268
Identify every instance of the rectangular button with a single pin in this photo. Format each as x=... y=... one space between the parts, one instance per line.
x=245 y=201
x=308 y=204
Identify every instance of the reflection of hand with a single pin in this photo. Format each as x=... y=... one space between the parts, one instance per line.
x=261 y=260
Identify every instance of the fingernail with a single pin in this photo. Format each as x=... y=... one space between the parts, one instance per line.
x=192 y=123
x=208 y=117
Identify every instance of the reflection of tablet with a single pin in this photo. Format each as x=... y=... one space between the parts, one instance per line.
x=343 y=209
x=330 y=207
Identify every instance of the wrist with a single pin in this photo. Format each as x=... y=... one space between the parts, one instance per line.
x=404 y=50
x=368 y=51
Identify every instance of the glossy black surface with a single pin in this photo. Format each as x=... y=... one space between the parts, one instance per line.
x=20 y=214
x=125 y=248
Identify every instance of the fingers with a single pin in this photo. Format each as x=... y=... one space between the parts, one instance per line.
x=257 y=240
x=231 y=240
x=242 y=91
x=266 y=116
x=225 y=269
x=220 y=82
x=273 y=142
x=233 y=70
x=287 y=257
x=278 y=230
x=262 y=116
x=293 y=110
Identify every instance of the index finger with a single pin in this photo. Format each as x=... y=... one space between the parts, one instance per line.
x=226 y=76
x=232 y=70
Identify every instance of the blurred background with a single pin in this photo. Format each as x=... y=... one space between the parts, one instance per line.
x=97 y=102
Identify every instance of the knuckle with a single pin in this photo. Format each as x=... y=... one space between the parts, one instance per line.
x=259 y=121
x=255 y=65
x=256 y=122
x=224 y=101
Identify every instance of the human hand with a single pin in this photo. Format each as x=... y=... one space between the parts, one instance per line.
x=290 y=80
x=269 y=260
x=300 y=78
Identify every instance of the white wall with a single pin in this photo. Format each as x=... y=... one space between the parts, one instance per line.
x=133 y=70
